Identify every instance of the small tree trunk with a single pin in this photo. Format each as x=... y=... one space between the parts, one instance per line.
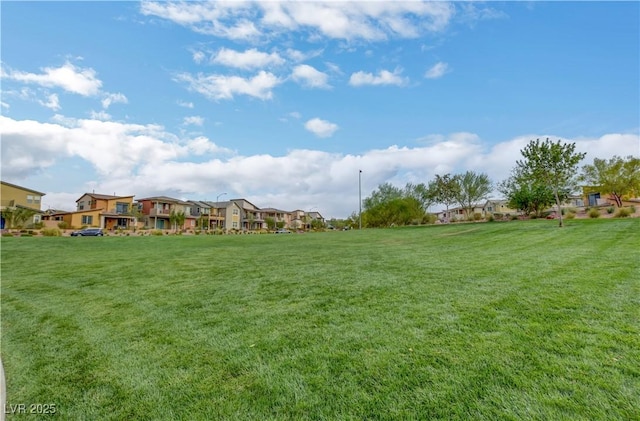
x=555 y=193
x=617 y=198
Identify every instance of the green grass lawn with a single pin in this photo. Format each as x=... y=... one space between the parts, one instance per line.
x=517 y=320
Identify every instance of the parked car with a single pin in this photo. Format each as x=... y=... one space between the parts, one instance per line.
x=88 y=232
x=283 y=231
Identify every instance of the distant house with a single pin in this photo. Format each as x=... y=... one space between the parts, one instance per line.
x=13 y=196
x=157 y=212
x=100 y=211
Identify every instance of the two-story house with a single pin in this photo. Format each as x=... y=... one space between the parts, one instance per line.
x=157 y=212
x=102 y=211
x=14 y=197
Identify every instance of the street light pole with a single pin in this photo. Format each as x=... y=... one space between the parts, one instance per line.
x=360 y=199
x=217 y=211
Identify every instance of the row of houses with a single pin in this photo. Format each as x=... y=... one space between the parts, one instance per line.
x=123 y=212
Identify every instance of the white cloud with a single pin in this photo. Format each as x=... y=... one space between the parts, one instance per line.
x=68 y=77
x=100 y=115
x=249 y=59
x=384 y=77
x=113 y=99
x=437 y=70
x=4 y=105
x=147 y=160
x=52 y=102
x=185 y=104
x=309 y=77
x=193 y=120
x=321 y=128
x=218 y=87
x=198 y=57
x=358 y=20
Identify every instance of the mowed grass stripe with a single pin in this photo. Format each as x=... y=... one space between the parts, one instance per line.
x=516 y=320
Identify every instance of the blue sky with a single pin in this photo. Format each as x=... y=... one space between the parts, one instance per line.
x=283 y=103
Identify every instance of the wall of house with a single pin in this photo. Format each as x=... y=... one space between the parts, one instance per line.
x=77 y=222
x=14 y=196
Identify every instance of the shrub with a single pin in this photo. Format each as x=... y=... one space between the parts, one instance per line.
x=610 y=209
x=623 y=213
x=497 y=215
x=477 y=216
x=570 y=215
x=7 y=234
x=490 y=218
x=51 y=232
x=632 y=209
x=594 y=213
x=514 y=217
x=63 y=225
x=156 y=232
x=38 y=225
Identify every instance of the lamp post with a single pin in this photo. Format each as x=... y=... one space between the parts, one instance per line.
x=217 y=212
x=360 y=199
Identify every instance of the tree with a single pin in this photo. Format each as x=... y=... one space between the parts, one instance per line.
x=445 y=189
x=421 y=193
x=617 y=176
x=551 y=164
x=385 y=193
x=471 y=188
x=177 y=219
x=527 y=197
x=271 y=222
x=15 y=217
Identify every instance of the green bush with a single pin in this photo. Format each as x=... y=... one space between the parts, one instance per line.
x=477 y=216
x=514 y=217
x=632 y=209
x=623 y=213
x=594 y=213
x=51 y=232
x=497 y=215
x=610 y=209
x=7 y=234
x=63 y=225
x=570 y=215
x=490 y=218
x=156 y=232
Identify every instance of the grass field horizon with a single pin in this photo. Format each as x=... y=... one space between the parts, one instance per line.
x=514 y=320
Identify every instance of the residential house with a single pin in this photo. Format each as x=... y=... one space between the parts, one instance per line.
x=101 y=211
x=459 y=213
x=251 y=216
x=202 y=212
x=280 y=217
x=13 y=196
x=157 y=212
x=492 y=206
x=226 y=215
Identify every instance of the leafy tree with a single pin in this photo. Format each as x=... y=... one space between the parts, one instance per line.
x=400 y=211
x=617 y=176
x=445 y=189
x=551 y=164
x=526 y=197
x=421 y=193
x=177 y=219
x=271 y=222
x=472 y=187
x=15 y=217
x=385 y=193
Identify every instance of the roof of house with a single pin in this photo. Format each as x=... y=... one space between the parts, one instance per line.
x=103 y=196
x=166 y=199
x=22 y=188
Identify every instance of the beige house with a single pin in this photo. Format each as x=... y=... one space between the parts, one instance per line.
x=13 y=196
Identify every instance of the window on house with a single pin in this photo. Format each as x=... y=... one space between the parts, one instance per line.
x=29 y=198
x=87 y=219
x=234 y=225
x=122 y=207
x=235 y=212
x=80 y=205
